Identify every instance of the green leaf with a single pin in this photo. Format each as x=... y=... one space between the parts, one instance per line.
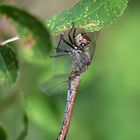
x=91 y=15
x=3 y=135
x=39 y=110
x=24 y=132
x=36 y=28
x=8 y=65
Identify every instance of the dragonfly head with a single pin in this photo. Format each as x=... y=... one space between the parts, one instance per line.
x=82 y=40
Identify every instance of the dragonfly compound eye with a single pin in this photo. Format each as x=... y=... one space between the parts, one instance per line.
x=82 y=39
x=85 y=39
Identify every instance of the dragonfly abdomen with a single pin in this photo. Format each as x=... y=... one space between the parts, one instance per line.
x=73 y=85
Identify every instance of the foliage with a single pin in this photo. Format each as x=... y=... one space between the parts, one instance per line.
x=8 y=65
x=25 y=130
x=90 y=15
x=3 y=135
x=43 y=46
x=94 y=15
x=40 y=33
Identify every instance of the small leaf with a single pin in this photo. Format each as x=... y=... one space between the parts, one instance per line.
x=24 y=132
x=36 y=28
x=91 y=15
x=3 y=135
x=8 y=65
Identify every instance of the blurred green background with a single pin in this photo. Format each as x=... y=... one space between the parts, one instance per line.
x=108 y=103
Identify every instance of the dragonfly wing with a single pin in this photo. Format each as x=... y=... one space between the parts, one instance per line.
x=57 y=84
x=60 y=71
x=92 y=46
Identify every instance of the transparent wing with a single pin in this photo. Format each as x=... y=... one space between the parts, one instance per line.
x=60 y=71
x=60 y=65
x=56 y=85
x=92 y=46
x=61 y=61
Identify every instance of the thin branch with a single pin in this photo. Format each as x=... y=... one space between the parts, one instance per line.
x=9 y=40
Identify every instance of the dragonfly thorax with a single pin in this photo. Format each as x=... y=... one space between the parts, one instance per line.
x=82 y=40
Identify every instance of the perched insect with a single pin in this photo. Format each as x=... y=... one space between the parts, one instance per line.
x=80 y=48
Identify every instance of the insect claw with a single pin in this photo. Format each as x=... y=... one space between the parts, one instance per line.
x=72 y=24
x=61 y=34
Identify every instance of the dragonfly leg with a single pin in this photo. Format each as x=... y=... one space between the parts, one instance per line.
x=69 y=33
x=62 y=50
x=59 y=55
x=74 y=33
x=61 y=38
x=71 y=45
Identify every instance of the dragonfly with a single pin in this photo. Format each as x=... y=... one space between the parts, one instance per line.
x=80 y=48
